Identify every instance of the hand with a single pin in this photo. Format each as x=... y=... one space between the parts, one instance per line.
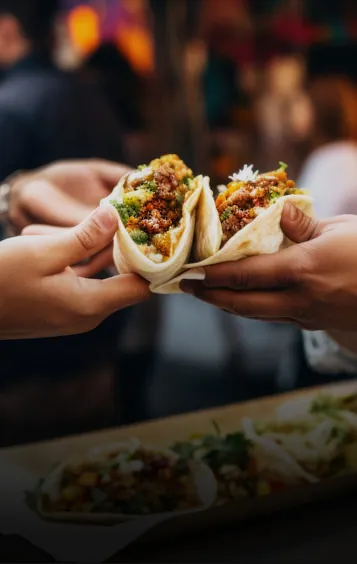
x=312 y=284
x=62 y=194
x=41 y=296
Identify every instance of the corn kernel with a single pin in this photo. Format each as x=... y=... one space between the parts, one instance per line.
x=71 y=493
x=88 y=479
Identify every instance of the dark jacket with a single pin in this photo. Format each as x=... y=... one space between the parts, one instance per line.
x=48 y=115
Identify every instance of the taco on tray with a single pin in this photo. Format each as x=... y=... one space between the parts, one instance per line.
x=125 y=481
x=245 y=465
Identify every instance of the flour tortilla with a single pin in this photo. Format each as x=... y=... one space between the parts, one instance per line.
x=129 y=259
x=203 y=477
x=263 y=236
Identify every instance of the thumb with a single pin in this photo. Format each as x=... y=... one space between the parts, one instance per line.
x=86 y=239
x=297 y=226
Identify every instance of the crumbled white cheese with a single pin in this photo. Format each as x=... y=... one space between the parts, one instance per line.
x=246 y=174
x=155 y=257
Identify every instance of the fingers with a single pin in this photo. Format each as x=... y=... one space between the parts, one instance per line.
x=105 y=297
x=297 y=226
x=43 y=230
x=47 y=204
x=254 y=305
x=254 y=273
x=82 y=242
x=97 y=264
x=110 y=172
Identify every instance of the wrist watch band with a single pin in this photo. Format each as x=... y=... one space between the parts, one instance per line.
x=5 y=199
x=5 y=191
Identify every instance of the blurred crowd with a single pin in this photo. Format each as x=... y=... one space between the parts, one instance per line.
x=259 y=92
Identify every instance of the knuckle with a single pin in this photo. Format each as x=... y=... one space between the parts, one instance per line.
x=85 y=236
x=308 y=227
x=240 y=278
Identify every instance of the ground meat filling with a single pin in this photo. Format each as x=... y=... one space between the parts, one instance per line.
x=164 y=210
x=242 y=206
x=167 y=183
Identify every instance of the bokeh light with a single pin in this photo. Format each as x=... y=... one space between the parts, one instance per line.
x=84 y=28
x=136 y=44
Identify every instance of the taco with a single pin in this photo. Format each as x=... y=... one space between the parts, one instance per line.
x=124 y=481
x=342 y=408
x=157 y=209
x=244 y=466
x=318 y=448
x=243 y=221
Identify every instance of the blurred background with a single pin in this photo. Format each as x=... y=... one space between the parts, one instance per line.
x=221 y=84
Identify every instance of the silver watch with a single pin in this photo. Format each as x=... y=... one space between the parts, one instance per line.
x=5 y=198
x=5 y=191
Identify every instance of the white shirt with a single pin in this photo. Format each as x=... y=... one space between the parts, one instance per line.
x=330 y=175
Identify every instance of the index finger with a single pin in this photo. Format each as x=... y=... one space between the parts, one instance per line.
x=255 y=273
x=110 y=172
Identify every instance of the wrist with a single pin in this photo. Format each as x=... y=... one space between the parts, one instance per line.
x=6 y=198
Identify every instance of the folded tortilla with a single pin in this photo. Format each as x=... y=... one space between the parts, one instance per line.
x=145 y=259
x=200 y=479
x=262 y=236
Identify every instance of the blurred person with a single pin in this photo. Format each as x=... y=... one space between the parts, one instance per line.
x=221 y=80
x=330 y=172
x=54 y=300
x=119 y=82
x=46 y=114
x=280 y=95
x=311 y=284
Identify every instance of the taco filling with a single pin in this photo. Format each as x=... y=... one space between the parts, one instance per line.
x=248 y=195
x=151 y=207
x=139 y=481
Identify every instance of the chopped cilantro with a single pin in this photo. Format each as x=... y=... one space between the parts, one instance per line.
x=283 y=166
x=187 y=181
x=150 y=185
x=219 y=450
x=185 y=450
x=139 y=237
x=273 y=196
x=328 y=405
x=125 y=212
x=231 y=449
x=141 y=167
x=226 y=214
